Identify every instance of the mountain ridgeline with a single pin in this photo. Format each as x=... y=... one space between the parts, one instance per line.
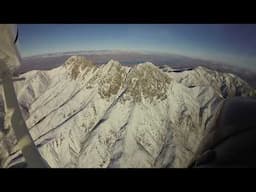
x=85 y=115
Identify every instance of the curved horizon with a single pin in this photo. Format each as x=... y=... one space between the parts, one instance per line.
x=234 y=44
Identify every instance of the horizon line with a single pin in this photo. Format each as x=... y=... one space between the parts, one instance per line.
x=133 y=51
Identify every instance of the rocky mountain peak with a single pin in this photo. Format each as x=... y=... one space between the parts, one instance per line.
x=78 y=65
x=148 y=82
x=118 y=116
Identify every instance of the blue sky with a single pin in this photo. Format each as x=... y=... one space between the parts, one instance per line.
x=233 y=44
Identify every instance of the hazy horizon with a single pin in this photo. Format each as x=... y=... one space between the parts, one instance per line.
x=116 y=51
x=227 y=43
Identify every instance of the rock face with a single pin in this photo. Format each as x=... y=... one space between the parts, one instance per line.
x=83 y=115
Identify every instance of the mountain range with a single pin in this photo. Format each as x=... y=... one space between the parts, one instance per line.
x=81 y=114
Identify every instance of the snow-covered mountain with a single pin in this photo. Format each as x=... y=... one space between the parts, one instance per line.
x=83 y=115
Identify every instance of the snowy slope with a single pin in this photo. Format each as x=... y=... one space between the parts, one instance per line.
x=83 y=115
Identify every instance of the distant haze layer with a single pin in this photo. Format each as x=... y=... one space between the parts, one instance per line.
x=49 y=61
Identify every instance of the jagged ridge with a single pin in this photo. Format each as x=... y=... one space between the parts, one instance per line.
x=85 y=115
